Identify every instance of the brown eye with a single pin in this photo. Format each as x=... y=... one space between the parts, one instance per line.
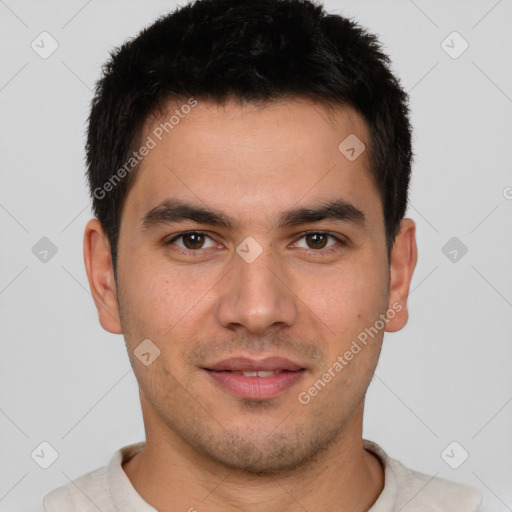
x=193 y=240
x=317 y=240
x=320 y=241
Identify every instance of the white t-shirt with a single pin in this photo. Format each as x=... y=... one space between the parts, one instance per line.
x=109 y=489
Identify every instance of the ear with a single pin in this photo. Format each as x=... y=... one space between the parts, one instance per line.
x=100 y=273
x=404 y=256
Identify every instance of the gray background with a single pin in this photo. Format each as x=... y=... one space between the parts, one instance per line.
x=446 y=377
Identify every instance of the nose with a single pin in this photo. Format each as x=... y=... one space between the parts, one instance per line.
x=256 y=296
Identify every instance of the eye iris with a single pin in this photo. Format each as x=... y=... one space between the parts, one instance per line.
x=318 y=240
x=193 y=240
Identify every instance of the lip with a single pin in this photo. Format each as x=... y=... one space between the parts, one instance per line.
x=246 y=364
x=255 y=388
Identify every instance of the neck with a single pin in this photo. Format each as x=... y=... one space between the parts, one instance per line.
x=171 y=475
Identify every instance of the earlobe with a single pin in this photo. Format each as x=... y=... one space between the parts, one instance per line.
x=404 y=256
x=100 y=273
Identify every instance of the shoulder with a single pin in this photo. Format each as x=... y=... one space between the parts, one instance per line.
x=94 y=490
x=83 y=494
x=415 y=491
x=433 y=494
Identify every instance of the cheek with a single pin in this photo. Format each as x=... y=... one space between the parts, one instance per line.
x=346 y=297
x=147 y=298
x=164 y=303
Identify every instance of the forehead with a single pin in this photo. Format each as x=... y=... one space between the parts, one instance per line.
x=246 y=158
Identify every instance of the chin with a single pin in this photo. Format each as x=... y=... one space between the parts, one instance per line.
x=270 y=454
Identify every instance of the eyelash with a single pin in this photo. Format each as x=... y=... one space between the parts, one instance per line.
x=318 y=252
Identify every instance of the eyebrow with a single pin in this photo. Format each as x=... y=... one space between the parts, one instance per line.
x=177 y=210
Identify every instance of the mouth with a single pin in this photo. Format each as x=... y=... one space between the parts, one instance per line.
x=255 y=379
x=258 y=373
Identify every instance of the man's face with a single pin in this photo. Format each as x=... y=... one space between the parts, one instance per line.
x=263 y=287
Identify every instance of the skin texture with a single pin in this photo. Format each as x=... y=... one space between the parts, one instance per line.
x=206 y=448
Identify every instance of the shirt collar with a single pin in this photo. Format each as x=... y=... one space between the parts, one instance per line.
x=127 y=499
